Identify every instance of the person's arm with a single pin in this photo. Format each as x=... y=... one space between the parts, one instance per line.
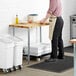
x=52 y=7
x=45 y=18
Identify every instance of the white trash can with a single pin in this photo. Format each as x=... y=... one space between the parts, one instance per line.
x=18 y=52
x=6 y=54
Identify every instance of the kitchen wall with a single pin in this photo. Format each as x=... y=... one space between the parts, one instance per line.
x=69 y=8
x=9 y=9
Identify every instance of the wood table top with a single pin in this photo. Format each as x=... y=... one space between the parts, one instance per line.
x=28 y=25
x=73 y=41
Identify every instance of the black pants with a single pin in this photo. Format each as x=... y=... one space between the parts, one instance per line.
x=57 y=42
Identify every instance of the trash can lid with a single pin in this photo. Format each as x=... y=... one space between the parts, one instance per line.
x=6 y=42
x=16 y=40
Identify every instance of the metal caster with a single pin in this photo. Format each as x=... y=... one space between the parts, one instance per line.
x=10 y=70
x=14 y=68
x=5 y=71
x=20 y=67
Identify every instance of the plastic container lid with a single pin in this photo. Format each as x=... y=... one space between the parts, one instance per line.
x=33 y=15
x=16 y=40
x=6 y=42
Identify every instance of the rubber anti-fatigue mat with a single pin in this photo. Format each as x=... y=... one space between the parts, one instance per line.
x=58 y=66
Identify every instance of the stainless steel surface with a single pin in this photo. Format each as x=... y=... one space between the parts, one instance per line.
x=28 y=45
x=73 y=26
x=40 y=34
x=74 y=59
x=13 y=31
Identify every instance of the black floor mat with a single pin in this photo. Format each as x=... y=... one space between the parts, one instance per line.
x=68 y=49
x=59 y=66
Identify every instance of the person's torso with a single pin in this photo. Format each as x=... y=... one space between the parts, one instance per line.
x=58 y=10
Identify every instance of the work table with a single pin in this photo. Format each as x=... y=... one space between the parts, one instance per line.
x=28 y=26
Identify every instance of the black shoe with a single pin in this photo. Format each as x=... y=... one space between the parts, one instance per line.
x=51 y=60
x=59 y=57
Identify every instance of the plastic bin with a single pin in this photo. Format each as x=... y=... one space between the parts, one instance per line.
x=38 y=50
x=6 y=54
x=18 y=52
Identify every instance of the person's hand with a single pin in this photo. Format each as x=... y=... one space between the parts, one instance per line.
x=42 y=21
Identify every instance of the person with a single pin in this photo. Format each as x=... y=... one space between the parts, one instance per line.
x=55 y=9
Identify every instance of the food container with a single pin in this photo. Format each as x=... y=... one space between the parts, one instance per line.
x=32 y=18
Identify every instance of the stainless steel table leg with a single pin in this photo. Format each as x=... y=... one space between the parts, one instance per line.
x=28 y=45
x=74 y=59
x=13 y=31
x=40 y=34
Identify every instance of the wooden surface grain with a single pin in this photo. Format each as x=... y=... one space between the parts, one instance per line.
x=73 y=41
x=28 y=25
